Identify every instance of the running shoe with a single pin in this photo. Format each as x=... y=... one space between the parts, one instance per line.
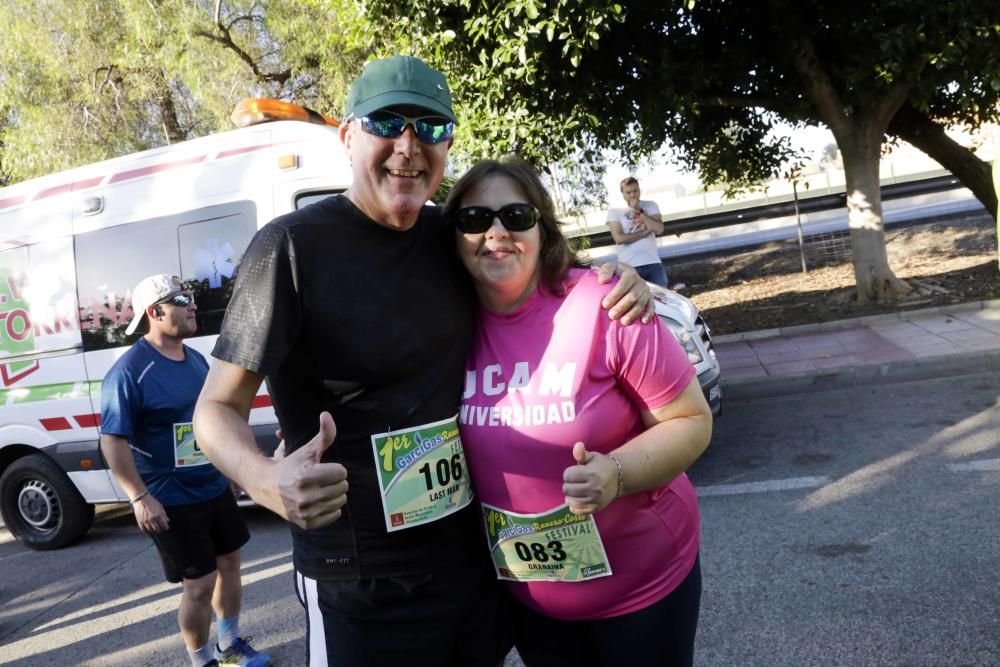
x=241 y=653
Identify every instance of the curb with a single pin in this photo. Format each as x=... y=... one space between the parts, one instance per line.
x=950 y=365
x=834 y=325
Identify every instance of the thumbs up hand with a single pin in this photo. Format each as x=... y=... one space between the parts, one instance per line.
x=312 y=492
x=592 y=483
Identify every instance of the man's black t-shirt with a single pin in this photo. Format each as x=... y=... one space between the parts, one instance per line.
x=373 y=325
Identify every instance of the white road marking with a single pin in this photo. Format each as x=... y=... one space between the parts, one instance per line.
x=762 y=487
x=975 y=466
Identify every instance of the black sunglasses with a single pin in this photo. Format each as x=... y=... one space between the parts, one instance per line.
x=515 y=217
x=180 y=300
x=389 y=125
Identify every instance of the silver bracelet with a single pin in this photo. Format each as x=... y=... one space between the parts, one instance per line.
x=618 y=494
x=145 y=493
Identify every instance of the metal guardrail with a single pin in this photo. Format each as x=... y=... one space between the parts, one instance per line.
x=811 y=204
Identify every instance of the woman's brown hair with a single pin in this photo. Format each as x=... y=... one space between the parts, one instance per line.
x=556 y=257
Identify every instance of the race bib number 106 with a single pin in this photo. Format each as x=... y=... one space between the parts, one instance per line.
x=422 y=474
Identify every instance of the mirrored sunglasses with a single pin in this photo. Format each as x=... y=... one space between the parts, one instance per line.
x=515 y=217
x=389 y=125
x=180 y=300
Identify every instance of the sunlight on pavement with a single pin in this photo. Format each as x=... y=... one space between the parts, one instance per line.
x=961 y=440
x=131 y=609
x=864 y=480
x=952 y=441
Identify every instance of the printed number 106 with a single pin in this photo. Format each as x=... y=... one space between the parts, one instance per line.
x=445 y=471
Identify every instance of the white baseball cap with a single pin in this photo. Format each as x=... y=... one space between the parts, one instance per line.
x=152 y=290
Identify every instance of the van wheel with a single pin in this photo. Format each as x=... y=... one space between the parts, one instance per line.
x=40 y=505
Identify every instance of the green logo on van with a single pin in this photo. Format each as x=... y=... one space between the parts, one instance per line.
x=16 y=333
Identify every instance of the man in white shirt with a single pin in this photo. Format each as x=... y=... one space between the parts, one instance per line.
x=634 y=230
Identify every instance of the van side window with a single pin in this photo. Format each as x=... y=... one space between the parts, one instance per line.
x=202 y=246
x=109 y=263
x=210 y=251
x=303 y=200
x=37 y=302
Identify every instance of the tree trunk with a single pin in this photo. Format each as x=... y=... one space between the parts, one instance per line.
x=859 y=136
x=926 y=135
x=172 y=131
x=876 y=282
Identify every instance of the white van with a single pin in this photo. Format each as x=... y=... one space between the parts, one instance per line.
x=73 y=245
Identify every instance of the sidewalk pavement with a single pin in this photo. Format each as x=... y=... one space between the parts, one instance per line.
x=962 y=339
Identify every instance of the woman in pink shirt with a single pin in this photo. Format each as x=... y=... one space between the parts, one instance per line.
x=578 y=431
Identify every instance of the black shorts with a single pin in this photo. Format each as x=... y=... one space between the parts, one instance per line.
x=660 y=635
x=450 y=617
x=198 y=533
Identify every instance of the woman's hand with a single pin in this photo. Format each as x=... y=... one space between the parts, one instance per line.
x=592 y=483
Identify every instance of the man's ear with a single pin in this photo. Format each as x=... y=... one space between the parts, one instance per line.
x=154 y=311
x=345 y=138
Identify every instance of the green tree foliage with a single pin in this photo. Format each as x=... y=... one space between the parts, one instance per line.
x=85 y=80
x=554 y=81
x=503 y=59
x=547 y=77
x=82 y=80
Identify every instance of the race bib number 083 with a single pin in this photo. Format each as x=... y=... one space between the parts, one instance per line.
x=551 y=546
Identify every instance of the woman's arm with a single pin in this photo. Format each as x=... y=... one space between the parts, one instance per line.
x=675 y=436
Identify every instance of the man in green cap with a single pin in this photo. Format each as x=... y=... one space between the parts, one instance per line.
x=357 y=307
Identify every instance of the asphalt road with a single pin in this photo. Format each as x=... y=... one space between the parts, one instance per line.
x=855 y=527
x=890 y=559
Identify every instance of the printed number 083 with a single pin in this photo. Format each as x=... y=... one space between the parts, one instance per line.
x=539 y=552
x=444 y=471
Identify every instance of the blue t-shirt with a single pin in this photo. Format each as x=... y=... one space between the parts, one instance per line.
x=149 y=400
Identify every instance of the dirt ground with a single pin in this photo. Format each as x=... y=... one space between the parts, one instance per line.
x=951 y=261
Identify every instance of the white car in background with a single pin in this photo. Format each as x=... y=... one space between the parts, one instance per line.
x=692 y=332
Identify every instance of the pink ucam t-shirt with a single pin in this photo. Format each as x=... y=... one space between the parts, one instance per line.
x=555 y=372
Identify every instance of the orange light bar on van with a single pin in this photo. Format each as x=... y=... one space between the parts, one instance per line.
x=255 y=110
x=288 y=161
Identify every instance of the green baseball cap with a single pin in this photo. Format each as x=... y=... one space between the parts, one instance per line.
x=399 y=81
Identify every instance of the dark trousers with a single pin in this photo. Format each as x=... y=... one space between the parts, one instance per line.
x=452 y=617
x=653 y=273
x=661 y=635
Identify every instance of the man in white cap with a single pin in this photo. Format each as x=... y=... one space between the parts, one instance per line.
x=179 y=499
x=358 y=307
